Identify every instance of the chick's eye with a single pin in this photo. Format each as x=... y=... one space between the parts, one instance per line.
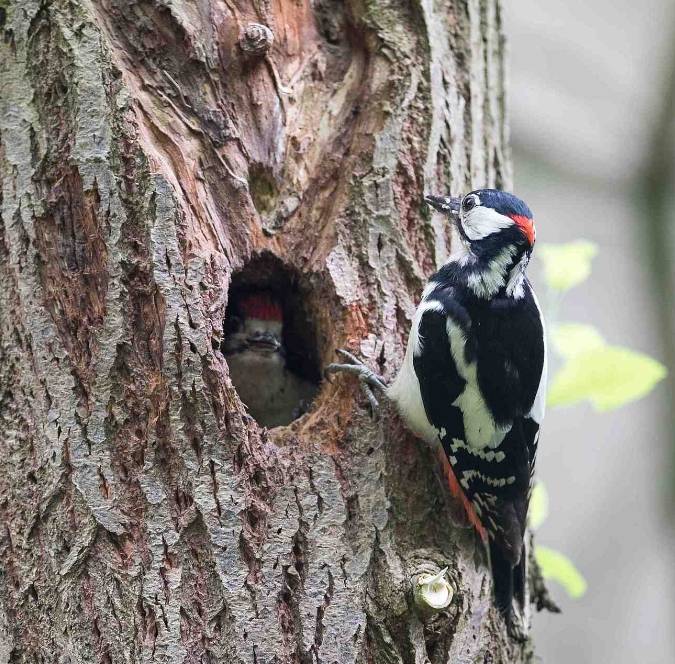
x=469 y=203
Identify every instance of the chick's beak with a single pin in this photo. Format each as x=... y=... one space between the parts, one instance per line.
x=444 y=204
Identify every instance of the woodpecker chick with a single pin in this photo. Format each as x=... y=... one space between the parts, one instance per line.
x=256 y=357
x=472 y=383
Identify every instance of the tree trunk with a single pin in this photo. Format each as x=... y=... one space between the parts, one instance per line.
x=151 y=151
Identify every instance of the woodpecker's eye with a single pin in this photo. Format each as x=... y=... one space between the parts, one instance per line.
x=469 y=203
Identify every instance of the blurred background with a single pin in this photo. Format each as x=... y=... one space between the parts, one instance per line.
x=593 y=118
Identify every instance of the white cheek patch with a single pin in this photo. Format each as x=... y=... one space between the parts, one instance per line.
x=483 y=221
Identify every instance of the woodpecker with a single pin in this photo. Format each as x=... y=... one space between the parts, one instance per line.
x=256 y=357
x=472 y=383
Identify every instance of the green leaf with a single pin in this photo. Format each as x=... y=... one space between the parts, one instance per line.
x=538 y=511
x=608 y=376
x=570 y=339
x=566 y=265
x=558 y=567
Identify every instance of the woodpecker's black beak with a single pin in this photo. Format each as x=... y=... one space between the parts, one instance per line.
x=444 y=204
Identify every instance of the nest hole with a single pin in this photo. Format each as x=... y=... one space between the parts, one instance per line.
x=270 y=341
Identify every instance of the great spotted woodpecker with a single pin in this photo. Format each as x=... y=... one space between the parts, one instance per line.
x=472 y=383
x=256 y=357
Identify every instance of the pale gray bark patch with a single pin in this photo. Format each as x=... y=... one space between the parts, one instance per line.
x=143 y=161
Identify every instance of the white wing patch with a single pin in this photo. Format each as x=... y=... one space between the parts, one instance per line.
x=479 y=426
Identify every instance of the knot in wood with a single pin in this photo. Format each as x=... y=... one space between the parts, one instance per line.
x=256 y=40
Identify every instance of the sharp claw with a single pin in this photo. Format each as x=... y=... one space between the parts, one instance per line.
x=368 y=379
x=380 y=382
x=374 y=404
x=357 y=367
x=352 y=358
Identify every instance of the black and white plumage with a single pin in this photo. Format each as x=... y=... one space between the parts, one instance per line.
x=474 y=374
x=473 y=380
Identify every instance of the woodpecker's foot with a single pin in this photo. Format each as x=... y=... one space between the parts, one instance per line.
x=367 y=377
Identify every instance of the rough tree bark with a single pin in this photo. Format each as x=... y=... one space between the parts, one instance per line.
x=149 y=150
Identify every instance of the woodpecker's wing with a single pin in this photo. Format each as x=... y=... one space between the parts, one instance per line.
x=438 y=376
x=488 y=457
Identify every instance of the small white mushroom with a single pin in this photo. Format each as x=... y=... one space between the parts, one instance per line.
x=433 y=591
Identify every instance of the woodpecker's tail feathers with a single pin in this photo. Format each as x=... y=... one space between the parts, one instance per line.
x=509 y=582
x=502 y=578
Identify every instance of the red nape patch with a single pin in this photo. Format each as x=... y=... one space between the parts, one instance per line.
x=261 y=306
x=526 y=225
x=456 y=491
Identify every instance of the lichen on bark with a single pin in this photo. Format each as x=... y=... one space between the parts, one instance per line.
x=145 y=157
